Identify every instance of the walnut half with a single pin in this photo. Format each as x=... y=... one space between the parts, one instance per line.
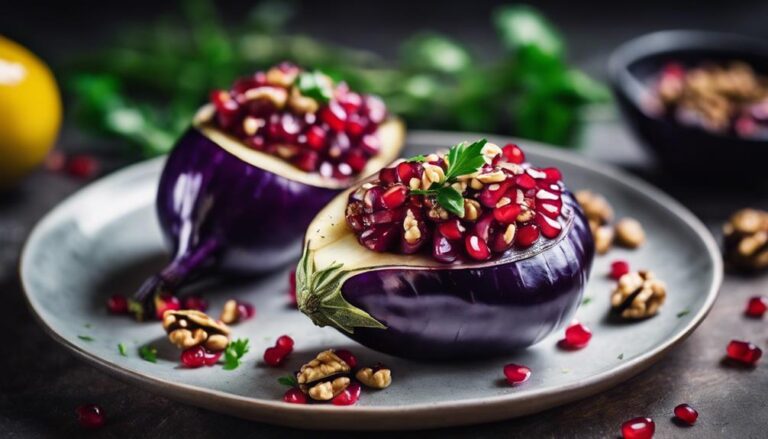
x=190 y=328
x=324 y=377
x=746 y=240
x=638 y=295
x=375 y=378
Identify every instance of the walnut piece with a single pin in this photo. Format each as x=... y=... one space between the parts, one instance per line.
x=230 y=313
x=629 y=233
x=603 y=238
x=595 y=207
x=378 y=378
x=324 y=377
x=189 y=328
x=638 y=295
x=746 y=240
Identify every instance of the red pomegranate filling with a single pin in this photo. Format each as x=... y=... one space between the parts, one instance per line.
x=475 y=203
x=304 y=118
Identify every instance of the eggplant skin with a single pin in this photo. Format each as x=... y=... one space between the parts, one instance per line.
x=218 y=211
x=435 y=313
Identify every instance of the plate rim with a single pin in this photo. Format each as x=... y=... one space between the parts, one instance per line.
x=390 y=417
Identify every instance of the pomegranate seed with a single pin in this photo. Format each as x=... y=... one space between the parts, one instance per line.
x=549 y=227
x=744 y=352
x=370 y=144
x=90 y=416
x=356 y=159
x=226 y=107
x=379 y=238
x=388 y=176
x=117 y=304
x=284 y=343
x=483 y=227
x=375 y=109
x=513 y=153
x=451 y=229
x=577 y=336
x=349 y=396
x=406 y=171
x=356 y=125
x=516 y=374
x=507 y=214
x=619 y=268
x=525 y=182
x=295 y=396
x=348 y=357
x=756 y=306
x=316 y=137
x=394 y=196
x=307 y=161
x=552 y=175
x=527 y=235
x=292 y=289
x=166 y=302
x=351 y=102
x=373 y=199
x=334 y=115
x=549 y=209
x=274 y=357
x=477 y=248
x=82 y=166
x=442 y=249
x=196 y=303
x=638 y=428
x=491 y=194
x=245 y=311
x=198 y=356
x=686 y=413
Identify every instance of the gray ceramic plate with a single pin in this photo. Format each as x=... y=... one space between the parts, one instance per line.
x=104 y=240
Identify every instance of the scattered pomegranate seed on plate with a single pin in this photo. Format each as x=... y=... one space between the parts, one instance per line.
x=638 y=428
x=756 y=306
x=516 y=373
x=275 y=356
x=196 y=303
x=347 y=356
x=284 y=343
x=743 y=352
x=349 y=396
x=198 y=356
x=619 y=268
x=295 y=396
x=577 y=336
x=686 y=413
x=117 y=304
x=90 y=416
x=82 y=166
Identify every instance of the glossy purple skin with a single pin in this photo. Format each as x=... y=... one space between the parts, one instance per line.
x=468 y=313
x=217 y=211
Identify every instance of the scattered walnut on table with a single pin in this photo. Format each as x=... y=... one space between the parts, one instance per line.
x=638 y=295
x=595 y=207
x=746 y=240
x=376 y=378
x=190 y=328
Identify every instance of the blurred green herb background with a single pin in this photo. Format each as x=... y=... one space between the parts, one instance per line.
x=145 y=88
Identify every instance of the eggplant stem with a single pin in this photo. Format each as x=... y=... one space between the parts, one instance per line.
x=172 y=276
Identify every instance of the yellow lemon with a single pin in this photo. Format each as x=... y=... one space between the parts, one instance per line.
x=30 y=111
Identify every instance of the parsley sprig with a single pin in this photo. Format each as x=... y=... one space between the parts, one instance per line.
x=314 y=85
x=148 y=353
x=462 y=159
x=234 y=353
x=288 y=380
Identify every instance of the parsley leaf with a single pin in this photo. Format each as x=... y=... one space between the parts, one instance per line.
x=314 y=85
x=148 y=353
x=465 y=159
x=421 y=158
x=683 y=313
x=234 y=352
x=122 y=349
x=85 y=337
x=451 y=200
x=288 y=380
x=586 y=300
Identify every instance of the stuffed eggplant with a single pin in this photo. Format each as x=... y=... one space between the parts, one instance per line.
x=473 y=253
x=257 y=164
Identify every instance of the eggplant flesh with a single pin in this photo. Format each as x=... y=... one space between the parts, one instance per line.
x=414 y=307
x=225 y=207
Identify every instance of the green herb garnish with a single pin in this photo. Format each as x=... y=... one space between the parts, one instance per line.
x=148 y=353
x=121 y=348
x=586 y=301
x=288 y=380
x=85 y=337
x=421 y=158
x=462 y=159
x=314 y=85
x=234 y=353
x=683 y=313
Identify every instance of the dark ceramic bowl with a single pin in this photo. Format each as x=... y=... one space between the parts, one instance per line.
x=679 y=147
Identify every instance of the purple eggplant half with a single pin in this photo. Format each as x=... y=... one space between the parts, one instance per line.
x=413 y=306
x=226 y=207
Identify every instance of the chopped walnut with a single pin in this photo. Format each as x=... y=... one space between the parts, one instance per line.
x=377 y=378
x=595 y=207
x=324 y=377
x=629 y=233
x=746 y=240
x=638 y=295
x=189 y=328
x=603 y=238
